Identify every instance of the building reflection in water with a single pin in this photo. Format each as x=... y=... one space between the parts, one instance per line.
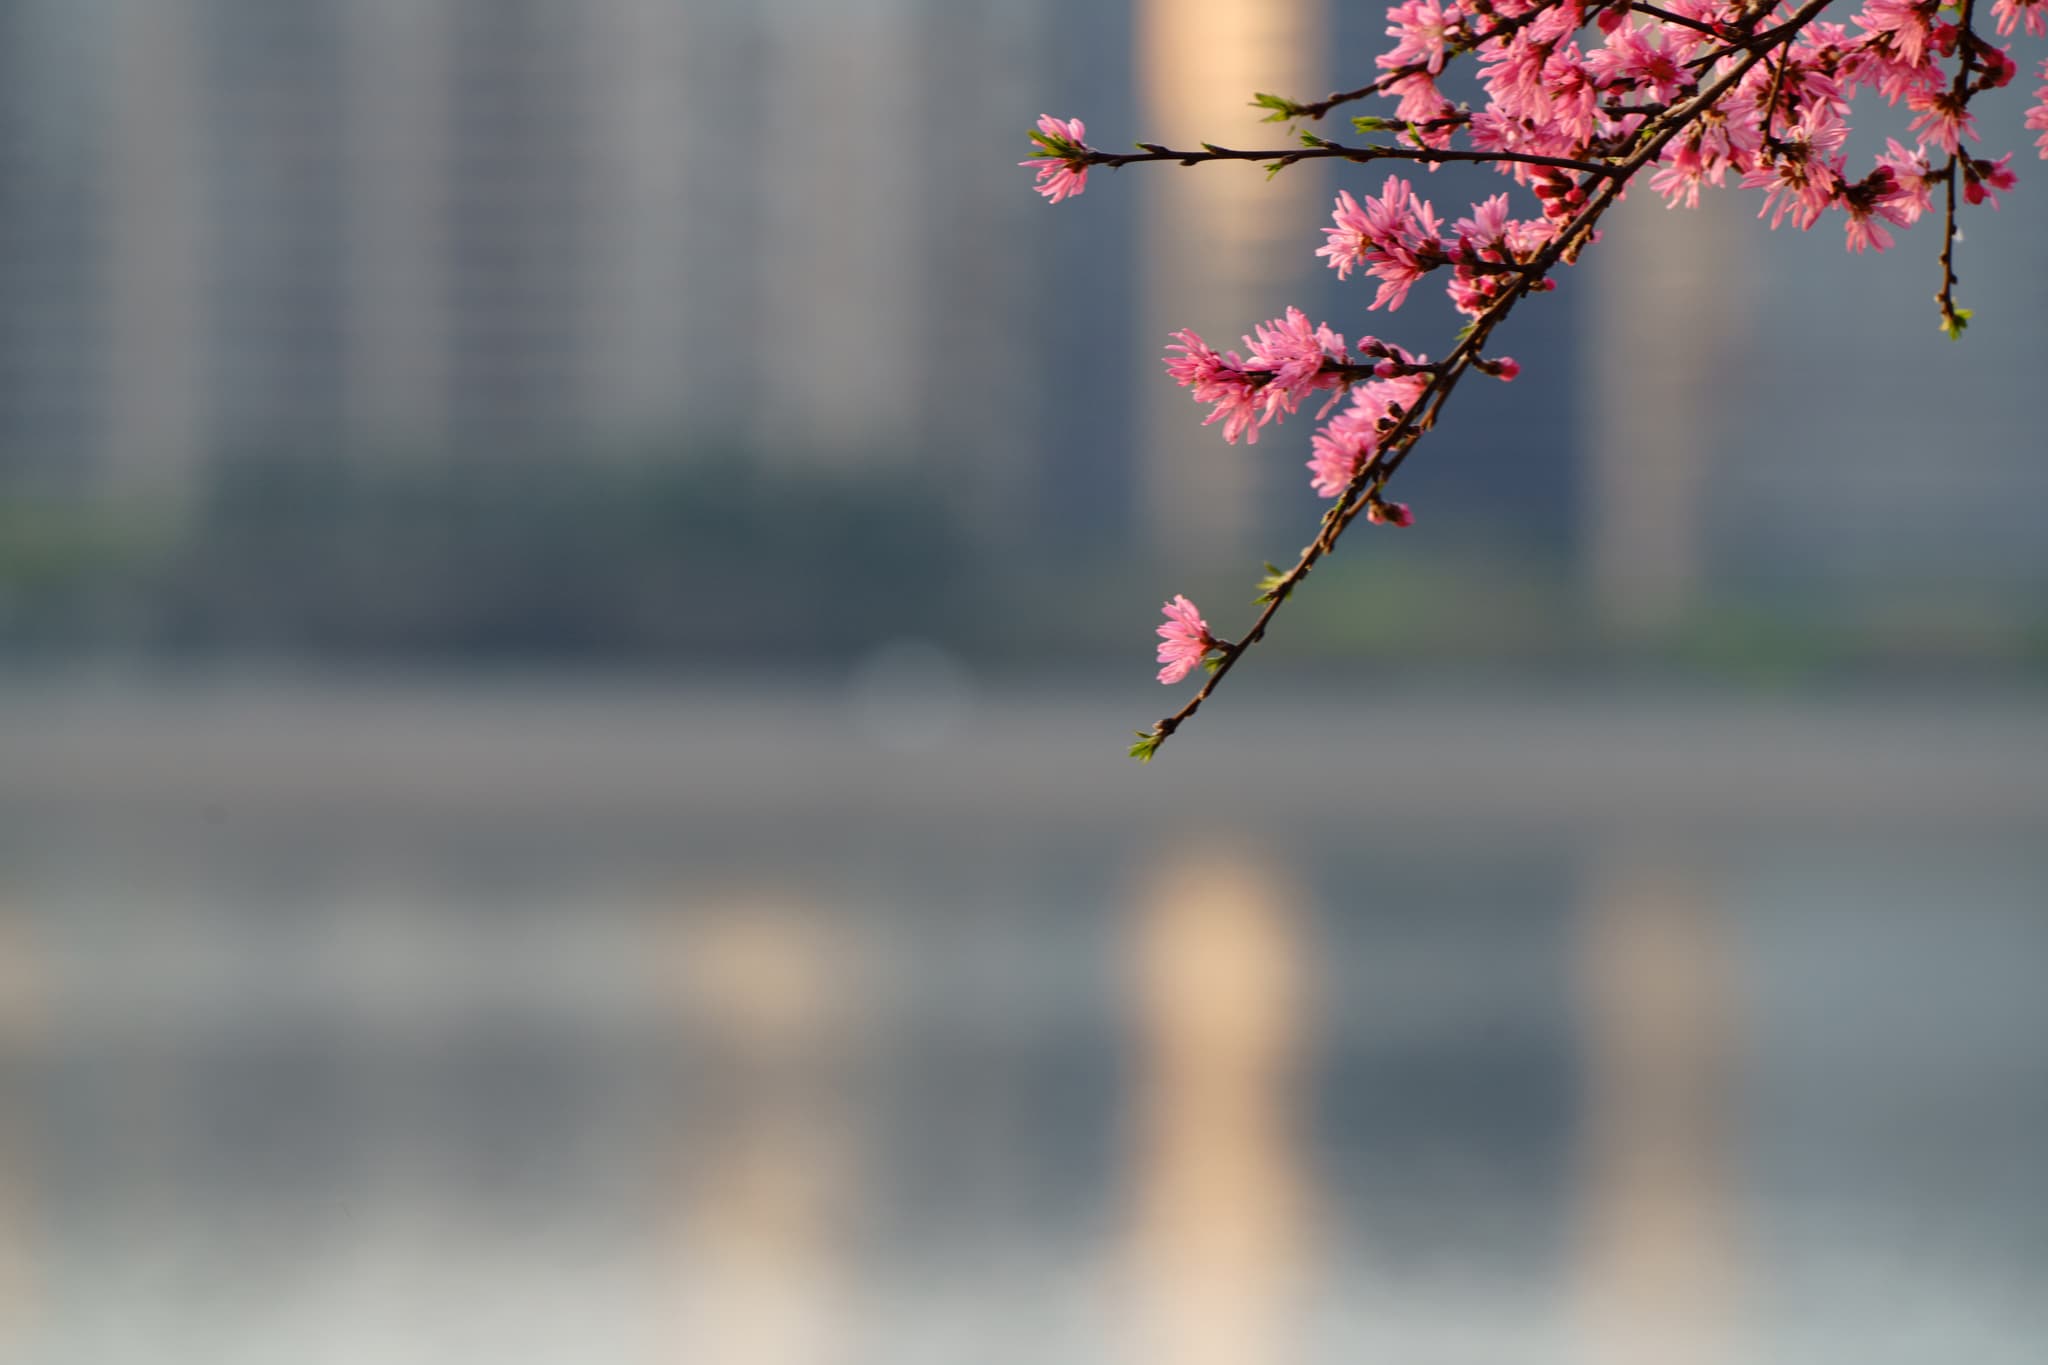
x=17 y=1042
x=1219 y=1229
x=771 y=1168
x=1658 y=1011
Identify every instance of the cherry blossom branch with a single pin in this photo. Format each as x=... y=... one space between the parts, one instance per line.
x=1701 y=95
x=1322 y=149
x=1954 y=319
x=1364 y=490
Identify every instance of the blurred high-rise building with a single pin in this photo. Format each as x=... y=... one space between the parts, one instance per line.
x=372 y=226
x=371 y=230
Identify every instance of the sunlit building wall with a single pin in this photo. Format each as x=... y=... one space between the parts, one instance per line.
x=1667 y=321
x=1218 y=246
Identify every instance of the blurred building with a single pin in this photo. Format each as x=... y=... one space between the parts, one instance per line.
x=357 y=232
x=1657 y=403
x=53 y=238
x=514 y=225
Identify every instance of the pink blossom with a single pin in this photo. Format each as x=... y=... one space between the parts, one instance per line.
x=1906 y=26
x=1287 y=362
x=1802 y=180
x=1912 y=185
x=1513 y=76
x=1487 y=227
x=1062 y=173
x=1218 y=379
x=1944 y=121
x=1681 y=172
x=1423 y=26
x=2037 y=117
x=1063 y=130
x=1420 y=102
x=1293 y=351
x=1864 y=229
x=1394 y=236
x=1877 y=66
x=1574 y=93
x=1487 y=238
x=1339 y=451
x=1184 y=641
x=1638 y=56
x=2010 y=13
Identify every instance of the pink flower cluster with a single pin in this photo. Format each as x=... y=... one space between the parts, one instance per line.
x=1353 y=436
x=1782 y=128
x=1285 y=360
x=1395 y=237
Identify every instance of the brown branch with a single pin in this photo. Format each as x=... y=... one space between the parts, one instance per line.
x=1323 y=151
x=1752 y=42
x=1679 y=19
x=1771 y=100
x=1954 y=319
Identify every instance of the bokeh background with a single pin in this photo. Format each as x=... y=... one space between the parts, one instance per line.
x=574 y=578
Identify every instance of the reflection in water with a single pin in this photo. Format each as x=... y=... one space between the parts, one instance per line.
x=17 y=1018
x=769 y=1156
x=1219 y=1233
x=1656 y=1000
x=320 y=1081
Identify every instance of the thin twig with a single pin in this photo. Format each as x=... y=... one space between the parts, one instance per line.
x=1324 y=150
x=1456 y=48
x=1679 y=19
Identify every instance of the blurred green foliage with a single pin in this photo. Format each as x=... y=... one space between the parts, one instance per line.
x=707 y=558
